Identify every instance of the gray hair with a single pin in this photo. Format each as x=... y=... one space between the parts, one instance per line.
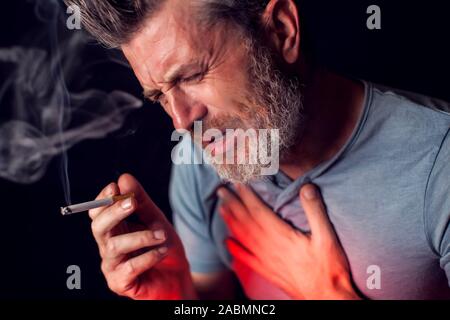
x=114 y=22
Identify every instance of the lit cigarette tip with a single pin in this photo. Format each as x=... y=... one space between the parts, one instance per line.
x=65 y=211
x=86 y=206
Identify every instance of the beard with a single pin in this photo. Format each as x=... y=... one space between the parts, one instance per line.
x=274 y=102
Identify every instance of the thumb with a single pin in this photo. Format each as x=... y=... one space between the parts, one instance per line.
x=311 y=200
x=147 y=210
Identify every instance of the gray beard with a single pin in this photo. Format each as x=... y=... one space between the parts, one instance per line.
x=279 y=106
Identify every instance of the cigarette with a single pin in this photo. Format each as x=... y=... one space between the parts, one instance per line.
x=86 y=206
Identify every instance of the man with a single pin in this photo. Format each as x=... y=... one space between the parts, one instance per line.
x=379 y=158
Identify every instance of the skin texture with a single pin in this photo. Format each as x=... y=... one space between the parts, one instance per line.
x=127 y=272
x=176 y=42
x=212 y=84
x=305 y=266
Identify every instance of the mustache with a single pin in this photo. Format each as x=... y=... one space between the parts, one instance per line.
x=250 y=117
x=222 y=123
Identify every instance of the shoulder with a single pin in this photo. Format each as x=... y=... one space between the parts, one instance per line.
x=404 y=126
x=437 y=200
x=411 y=109
x=415 y=129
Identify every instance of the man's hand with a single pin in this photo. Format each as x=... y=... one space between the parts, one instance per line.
x=140 y=261
x=305 y=266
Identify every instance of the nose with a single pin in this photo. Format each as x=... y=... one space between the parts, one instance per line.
x=184 y=110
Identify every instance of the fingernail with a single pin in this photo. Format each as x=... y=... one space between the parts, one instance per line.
x=159 y=234
x=310 y=192
x=221 y=193
x=126 y=204
x=162 y=250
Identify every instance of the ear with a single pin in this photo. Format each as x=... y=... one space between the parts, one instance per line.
x=282 y=26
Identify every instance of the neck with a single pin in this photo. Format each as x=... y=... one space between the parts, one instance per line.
x=332 y=106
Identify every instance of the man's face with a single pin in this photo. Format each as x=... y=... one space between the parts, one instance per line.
x=216 y=76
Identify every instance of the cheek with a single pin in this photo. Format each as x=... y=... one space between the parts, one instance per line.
x=220 y=96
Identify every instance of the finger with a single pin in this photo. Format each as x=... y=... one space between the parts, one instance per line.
x=122 y=279
x=242 y=255
x=250 y=199
x=111 y=217
x=261 y=213
x=244 y=262
x=237 y=229
x=233 y=203
x=134 y=267
x=146 y=209
x=110 y=190
x=227 y=215
x=117 y=247
x=321 y=227
x=230 y=221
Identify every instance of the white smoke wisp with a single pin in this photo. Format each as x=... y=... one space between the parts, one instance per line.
x=44 y=118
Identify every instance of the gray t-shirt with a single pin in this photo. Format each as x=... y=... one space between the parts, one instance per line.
x=387 y=193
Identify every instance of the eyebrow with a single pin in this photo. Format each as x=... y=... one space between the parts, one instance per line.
x=151 y=94
x=175 y=73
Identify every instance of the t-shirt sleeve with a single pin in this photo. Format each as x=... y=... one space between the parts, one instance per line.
x=437 y=206
x=189 y=212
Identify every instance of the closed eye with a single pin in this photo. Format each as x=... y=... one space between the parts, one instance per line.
x=196 y=77
x=155 y=97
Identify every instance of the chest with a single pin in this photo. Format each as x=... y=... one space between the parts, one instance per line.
x=383 y=237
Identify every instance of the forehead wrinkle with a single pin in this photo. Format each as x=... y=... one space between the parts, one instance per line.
x=174 y=40
x=140 y=72
x=140 y=60
x=180 y=70
x=168 y=55
x=179 y=48
x=155 y=48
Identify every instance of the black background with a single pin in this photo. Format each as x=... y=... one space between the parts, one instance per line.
x=37 y=244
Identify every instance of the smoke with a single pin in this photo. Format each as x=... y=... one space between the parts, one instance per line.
x=44 y=118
